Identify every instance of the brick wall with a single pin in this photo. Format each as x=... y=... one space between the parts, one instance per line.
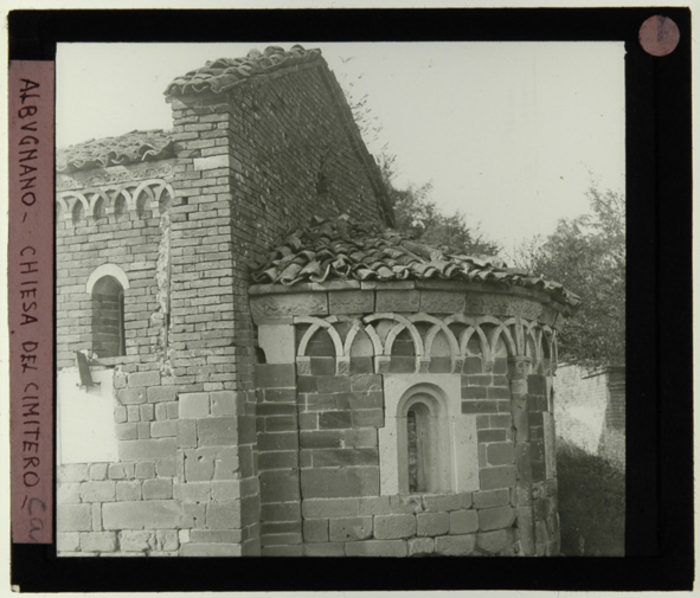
x=130 y=241
x=269 y=155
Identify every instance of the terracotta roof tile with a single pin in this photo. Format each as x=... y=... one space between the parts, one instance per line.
x=343 y=249
x=131 y=148
x=224 y=73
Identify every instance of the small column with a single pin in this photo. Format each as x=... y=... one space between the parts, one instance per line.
x=519 y=367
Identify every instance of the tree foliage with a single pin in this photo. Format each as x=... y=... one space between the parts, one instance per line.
x=418 y=216
x=587 y=255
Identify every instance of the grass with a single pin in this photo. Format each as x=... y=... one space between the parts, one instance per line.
x=591 y=504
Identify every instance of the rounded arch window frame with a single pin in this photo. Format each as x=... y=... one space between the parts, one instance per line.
x=100 y=275
x=437 y=460
x=106 y=270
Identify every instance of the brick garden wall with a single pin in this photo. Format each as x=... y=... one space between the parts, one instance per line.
x=591 y=410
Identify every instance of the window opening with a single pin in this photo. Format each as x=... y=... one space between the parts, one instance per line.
x=108 y=318
x=412 y=452
x=424 y=455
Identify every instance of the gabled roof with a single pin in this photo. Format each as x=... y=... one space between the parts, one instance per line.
x=341 y=249
x=131 y=148
x=224 y=73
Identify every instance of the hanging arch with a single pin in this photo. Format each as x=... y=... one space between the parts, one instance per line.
x=403 y=323
x=437 y=326
x=62 y=211
x=79 y=208
x=144 y=200
x=315 y=325
x=499 y=330
x=99 y=200
x=121 y=203
x=472 y=327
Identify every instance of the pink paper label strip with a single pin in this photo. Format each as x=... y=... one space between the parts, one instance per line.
x=30 y=299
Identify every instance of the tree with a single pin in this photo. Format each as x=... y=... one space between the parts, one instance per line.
x=418 y=216
x=587 y=255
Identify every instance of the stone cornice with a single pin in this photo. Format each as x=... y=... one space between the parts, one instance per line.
x=541 y=297
x=114 y=175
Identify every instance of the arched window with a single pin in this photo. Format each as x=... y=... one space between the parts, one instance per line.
x=108 y=317
x=423 y=437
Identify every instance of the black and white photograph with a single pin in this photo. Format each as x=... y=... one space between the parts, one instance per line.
x=300 y=297
x=340 y=299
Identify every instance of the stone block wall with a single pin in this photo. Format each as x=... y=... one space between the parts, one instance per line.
x=322 y=415
x=542 y=460
x=320 y=475
x=118 y=509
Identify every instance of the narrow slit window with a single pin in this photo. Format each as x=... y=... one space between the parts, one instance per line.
x=425 y=461
x=413 y=464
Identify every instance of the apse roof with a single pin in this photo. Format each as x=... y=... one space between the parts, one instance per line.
x=342 y=249
x=224 y=73
x=131 y=148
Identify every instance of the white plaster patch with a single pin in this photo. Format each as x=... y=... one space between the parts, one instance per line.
x=86 y=429
x=278 y=343
x=210 y=162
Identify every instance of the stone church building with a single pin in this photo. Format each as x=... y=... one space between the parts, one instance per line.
x=251 y=362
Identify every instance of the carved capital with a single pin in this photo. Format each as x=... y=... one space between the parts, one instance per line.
x=382 y=363
x=303 y=366
x=423 y=364
x=519 y=367
x=342 y=366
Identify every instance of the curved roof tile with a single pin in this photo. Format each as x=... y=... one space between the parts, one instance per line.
x=131 y=148
x=224 y=73
x=343 y=249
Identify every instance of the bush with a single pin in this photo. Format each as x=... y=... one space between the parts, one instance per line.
x=591 y=504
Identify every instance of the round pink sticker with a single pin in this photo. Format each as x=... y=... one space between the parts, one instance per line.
x=659 y=35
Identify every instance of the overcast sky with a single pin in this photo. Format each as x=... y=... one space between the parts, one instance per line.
x=512 y=134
